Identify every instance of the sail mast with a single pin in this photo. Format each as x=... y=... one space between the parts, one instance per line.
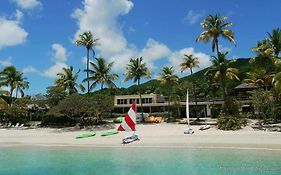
x=187 y=108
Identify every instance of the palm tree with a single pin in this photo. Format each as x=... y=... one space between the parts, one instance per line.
x=221 y=71
x=261 y=78
x=101 y=74
x=13 y=79
x=264 y=58
x=169 y=78
x=189 y=62
x=67 y=80
x=87 y=40
x=135 y=70
x=215 y=26
x=21 y=85
x=275 y=39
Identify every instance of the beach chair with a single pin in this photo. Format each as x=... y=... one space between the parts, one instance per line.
x=9 y=125
x=205 y=127
x=17 y=125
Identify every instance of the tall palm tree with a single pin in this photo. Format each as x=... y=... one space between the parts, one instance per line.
x=222 y=71
x=21 y=85
x=13 y=79
x=87 y=40
x=275 y=39
x=216 y=26
x=189 y=62
x=101 y=74
x=135 y=70
x=67 y=80
x=168 y=77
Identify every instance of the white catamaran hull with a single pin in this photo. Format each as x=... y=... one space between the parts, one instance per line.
x=130 y=139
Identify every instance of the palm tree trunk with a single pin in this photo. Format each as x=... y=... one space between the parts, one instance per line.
x=140 y=100
x=88 y=83
x=195 y=96
x=169 y=104
x=17 y=91
x=11 y=96
x=217 y=47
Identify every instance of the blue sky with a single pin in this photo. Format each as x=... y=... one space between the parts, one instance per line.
x=37 y=36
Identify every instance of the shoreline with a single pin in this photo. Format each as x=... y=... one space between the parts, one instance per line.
x=151 y=136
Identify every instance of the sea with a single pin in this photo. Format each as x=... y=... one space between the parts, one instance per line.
x=138 y=161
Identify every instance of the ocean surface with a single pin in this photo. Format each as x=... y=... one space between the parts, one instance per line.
x=137 y=161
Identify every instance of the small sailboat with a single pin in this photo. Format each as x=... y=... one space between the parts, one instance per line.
x=129 y=125
x=188 y=130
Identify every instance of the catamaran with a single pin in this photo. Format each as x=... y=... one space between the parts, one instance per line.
x=129 y=125
x=188 y=130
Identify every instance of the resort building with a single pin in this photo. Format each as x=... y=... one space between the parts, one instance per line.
x=155 y=103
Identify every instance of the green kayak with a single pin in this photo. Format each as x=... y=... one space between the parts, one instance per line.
x=118 y=120
x=109 y=133
x=85 y=135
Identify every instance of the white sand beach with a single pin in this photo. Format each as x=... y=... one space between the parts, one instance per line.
x=151 y=135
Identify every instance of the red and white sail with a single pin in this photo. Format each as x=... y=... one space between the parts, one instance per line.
x=129 y=123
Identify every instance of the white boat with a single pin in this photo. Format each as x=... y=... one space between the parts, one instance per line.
x=129 y=125
x=205 y=127
x=188 y=130
x=130 y=139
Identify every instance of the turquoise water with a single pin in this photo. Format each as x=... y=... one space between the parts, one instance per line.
x=137 y=161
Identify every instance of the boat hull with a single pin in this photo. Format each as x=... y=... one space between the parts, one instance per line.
x=130 y=139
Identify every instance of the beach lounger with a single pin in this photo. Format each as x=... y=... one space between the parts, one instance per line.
x=205 y=127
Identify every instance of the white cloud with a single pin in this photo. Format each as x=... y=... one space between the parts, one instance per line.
x=11 y=33
x=176 y=58
x=113 y=44
x=28 y=4
x=54 y=70
x=224 y=49
x=193 y=16
x=29 y=69
x=59 y=56
x=59 y=53
x=18 y=15
x=6 y=62
x=100 y=17
x=103 y=24
x=132 y=29
x=154 y=51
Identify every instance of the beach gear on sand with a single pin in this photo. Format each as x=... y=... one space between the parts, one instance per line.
x=129 y=125
x=188 y=130
x=205 y=127
x=109 y=133
x=118 y=120
x=85 y=135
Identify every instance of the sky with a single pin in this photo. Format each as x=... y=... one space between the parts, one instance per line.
x=37 y=36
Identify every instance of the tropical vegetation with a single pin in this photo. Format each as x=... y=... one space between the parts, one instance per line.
x=136 y=70
x=65 y=104
x=87 y=40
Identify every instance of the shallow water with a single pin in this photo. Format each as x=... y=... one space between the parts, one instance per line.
x=137 y=161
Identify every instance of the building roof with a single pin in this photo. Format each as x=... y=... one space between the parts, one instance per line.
x=246 y=86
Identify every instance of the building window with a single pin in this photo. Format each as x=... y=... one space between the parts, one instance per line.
x=147 y=100
x=131 y=100
x=121 y=101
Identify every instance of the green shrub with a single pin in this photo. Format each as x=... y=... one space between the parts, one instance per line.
x=50 y=120
x=230 y=122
